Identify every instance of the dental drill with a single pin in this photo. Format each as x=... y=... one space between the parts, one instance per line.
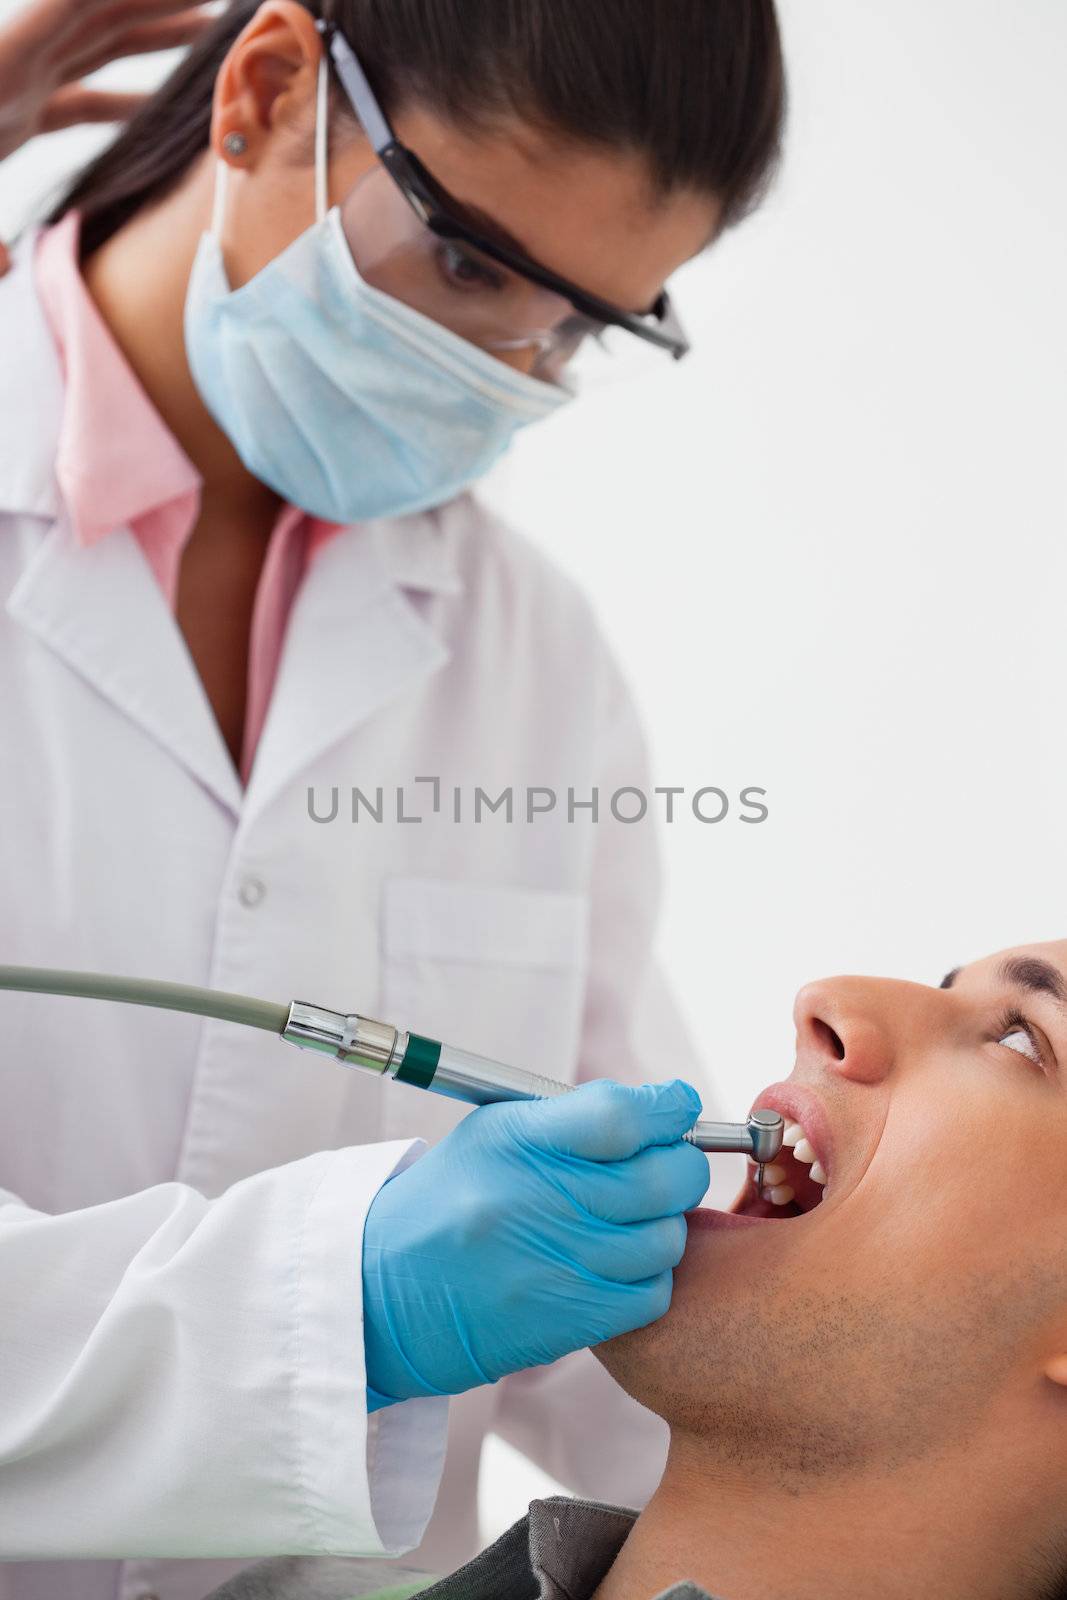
x=428 y=1064
x=379 y=1048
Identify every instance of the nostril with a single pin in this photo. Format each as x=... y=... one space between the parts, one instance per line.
x=827 y=1037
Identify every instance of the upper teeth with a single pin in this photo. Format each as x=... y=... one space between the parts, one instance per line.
x=780 y=1191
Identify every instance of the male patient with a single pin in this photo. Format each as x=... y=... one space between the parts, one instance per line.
x=865 y=1381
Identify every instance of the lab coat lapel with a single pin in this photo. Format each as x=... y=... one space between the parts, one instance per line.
x=101 y=610
x=356 y=642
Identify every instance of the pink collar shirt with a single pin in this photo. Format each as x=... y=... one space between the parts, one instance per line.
x=119 y=466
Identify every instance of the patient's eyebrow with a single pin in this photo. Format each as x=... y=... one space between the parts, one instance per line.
x=1039 y=977
x=1024 y=972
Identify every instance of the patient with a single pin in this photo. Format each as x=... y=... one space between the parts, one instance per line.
x=866 y=1384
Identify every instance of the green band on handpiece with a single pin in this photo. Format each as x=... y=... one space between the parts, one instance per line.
x=420 y=1061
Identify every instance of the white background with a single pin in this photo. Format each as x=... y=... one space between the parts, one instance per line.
x=829 y=545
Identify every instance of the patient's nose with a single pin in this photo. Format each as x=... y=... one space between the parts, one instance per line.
x=840 y=1028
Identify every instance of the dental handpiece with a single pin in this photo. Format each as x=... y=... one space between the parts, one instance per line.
x=411 y=1058
x=376 y=1047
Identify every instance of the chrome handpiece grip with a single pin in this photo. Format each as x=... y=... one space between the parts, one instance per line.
x=464 y=1076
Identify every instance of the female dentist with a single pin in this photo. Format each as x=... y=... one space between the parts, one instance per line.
x=288 y=712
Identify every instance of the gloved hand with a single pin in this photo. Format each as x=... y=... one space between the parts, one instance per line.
x=533 y=1229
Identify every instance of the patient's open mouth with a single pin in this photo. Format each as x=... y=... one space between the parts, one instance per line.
x=793 y=1184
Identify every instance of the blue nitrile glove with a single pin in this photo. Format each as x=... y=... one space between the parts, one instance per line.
x=533 y=1229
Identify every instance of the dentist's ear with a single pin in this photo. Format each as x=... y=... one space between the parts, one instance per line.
x=266 y=85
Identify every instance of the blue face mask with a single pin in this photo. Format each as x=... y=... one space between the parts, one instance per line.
x=346 y=402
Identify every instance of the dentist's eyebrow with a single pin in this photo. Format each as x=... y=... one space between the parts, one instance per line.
x=483 y=223
x=950 y=977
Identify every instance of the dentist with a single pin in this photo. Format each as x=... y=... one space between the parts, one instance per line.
x=262 y=653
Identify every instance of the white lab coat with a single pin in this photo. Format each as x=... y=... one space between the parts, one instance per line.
x=180 y=1337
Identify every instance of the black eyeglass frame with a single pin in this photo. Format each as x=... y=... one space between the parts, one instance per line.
x=431 y=201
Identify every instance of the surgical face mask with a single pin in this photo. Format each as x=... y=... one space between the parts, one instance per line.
x=345 y=401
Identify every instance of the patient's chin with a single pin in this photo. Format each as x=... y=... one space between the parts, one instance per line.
x=820 y=1381
x=634 y=1359
x=720 y=1398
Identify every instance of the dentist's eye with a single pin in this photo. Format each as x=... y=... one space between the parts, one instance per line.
x=466 y=272
x=1015 y=1033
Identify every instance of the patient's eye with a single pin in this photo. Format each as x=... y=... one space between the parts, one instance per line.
x=1014 y=1033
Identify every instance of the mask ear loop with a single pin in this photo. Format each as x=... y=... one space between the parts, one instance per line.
x=218 y=205
x=322 y=113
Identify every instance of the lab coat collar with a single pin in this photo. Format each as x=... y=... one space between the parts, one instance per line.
x=355 y=640
x=102 y=612
x=33 y=411
x=420 y=552
x=355 y=643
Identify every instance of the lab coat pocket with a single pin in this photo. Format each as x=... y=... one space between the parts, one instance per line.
x=498 y=969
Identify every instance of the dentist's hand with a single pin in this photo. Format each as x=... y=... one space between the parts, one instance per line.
x=49 y=46
x=535 y=1228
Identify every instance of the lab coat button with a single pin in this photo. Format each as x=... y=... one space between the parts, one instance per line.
x=251 y=891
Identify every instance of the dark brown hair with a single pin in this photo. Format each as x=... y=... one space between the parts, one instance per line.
x=696 y=86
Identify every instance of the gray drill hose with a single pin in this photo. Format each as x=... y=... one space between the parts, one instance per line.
x=148 y=992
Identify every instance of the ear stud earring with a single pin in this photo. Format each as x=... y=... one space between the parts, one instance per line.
x=235 y=144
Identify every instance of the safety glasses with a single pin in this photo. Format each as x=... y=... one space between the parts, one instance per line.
x=412 y=239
